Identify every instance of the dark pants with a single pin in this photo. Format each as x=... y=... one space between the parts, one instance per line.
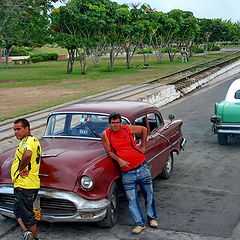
x=23 y=206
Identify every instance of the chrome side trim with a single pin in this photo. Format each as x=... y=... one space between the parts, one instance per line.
x=161 y=135
x=170 y=146
x=75 y=137
x=49 y=155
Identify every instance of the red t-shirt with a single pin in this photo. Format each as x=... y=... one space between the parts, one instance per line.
x=125 y=147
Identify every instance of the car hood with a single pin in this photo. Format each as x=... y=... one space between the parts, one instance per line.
x=231 y=112
x=62 y=162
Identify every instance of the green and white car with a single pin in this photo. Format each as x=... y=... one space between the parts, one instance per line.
x=226 y=121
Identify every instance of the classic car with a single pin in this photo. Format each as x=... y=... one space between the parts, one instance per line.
x=79 y=182
x=226 y=121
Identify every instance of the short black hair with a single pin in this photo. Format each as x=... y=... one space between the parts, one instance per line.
x=114 y=116
x=24 y=121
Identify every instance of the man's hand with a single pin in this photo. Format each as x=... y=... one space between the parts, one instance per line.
x=24 y=173
x=122 y=163
x=142 y=149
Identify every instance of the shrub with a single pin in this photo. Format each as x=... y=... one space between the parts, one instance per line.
x=20 y=51
x=215 y=48
x=36 y=59
x=144 y=51
x=198 y=50
x=43 y=57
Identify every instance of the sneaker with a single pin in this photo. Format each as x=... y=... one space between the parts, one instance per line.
x=27 y=235
x=153 y=223
x=138 y=229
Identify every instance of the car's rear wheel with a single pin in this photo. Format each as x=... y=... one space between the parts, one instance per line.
x=112 y=210
x=168 y=169
x=222 y=139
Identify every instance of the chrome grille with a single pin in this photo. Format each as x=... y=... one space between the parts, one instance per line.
x=57 y=207
x=7 y=201
x=49 y=206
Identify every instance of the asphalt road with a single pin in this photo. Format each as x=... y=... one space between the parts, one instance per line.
x=201 y=201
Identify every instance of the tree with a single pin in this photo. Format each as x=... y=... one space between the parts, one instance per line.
x=211 y=31
x=23 y=23
x=132 y=29
x=81 y=22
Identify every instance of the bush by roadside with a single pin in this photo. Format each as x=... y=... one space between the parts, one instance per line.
x=43 y=57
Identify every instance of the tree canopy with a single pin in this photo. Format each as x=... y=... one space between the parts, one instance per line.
x=94 y=27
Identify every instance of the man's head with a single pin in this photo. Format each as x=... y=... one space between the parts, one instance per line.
x=21 y=128
x=115 y=120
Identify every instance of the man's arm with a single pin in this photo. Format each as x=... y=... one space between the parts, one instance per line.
x=106 y=144
x=24 y=162
x=143 y=131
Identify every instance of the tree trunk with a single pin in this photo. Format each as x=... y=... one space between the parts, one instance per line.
x=113 y=54
x=95 y=56
x=128 y=58
x=6 y=57
x=207 y=36
x=145 y=57
x=171 y=53
x=83 y=62
x=71 y=59
x=158 y=47
x=190 y=48
x=159 y=55
x=111 y=61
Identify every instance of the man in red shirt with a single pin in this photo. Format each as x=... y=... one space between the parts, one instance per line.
x=119 y=144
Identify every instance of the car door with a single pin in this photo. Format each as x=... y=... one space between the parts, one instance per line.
x=150 y=144
x=161 y=143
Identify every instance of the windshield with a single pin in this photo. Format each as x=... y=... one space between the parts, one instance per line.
x=77 y=125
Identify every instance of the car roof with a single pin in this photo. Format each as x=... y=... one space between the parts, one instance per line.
x=234 y=87
x=125 y=108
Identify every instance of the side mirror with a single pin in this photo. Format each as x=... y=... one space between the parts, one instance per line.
x=171 y=117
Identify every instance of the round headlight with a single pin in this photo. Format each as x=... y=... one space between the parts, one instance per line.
x=86 y=182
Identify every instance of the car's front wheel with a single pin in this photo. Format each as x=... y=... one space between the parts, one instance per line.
x=222 y=139
x=112 y=210
x=168 y=169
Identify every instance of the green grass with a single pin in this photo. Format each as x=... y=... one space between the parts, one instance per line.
x=52 y=76
x=52 y=72
x=49 y=49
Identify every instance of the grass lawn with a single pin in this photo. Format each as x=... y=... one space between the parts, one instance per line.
x=32 y=87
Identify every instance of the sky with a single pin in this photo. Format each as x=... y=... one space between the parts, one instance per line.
x=224 y=9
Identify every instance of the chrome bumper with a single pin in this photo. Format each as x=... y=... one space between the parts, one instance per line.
x=183 y=143
x=226 y=128
x=84 y=210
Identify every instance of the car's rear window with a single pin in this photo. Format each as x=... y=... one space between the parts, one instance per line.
x=237 y=94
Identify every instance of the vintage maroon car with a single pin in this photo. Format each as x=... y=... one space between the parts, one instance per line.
x=79 y=182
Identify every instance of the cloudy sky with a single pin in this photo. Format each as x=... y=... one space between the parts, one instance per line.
x=224 y=9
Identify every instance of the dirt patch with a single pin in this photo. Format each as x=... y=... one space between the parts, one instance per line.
x=15 y=101
x=21 y=100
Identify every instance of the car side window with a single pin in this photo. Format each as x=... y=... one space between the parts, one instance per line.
x=140 y=121
x=237 y=94
x=154 y=121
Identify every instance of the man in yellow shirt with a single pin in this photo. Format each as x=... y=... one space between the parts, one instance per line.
x=24 y=174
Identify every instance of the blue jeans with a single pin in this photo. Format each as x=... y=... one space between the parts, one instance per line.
x=142 y=177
